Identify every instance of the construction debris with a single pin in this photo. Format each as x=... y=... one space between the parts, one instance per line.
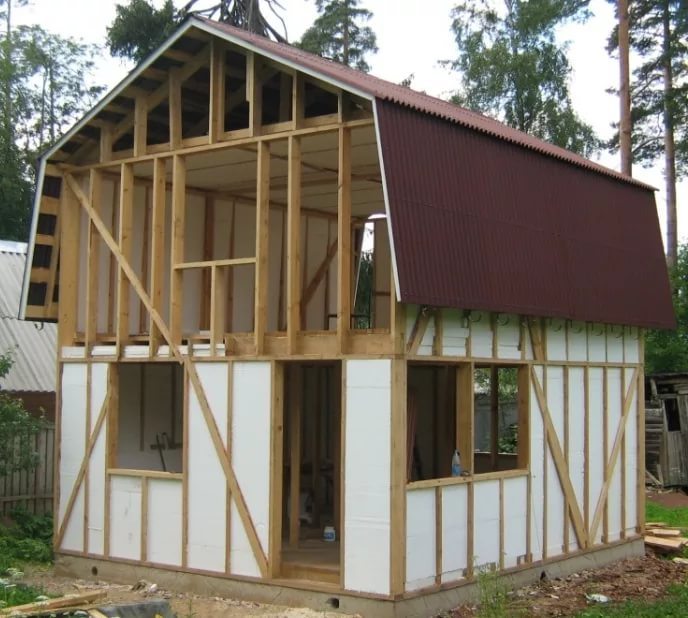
x=71 y=602
x=660 y=537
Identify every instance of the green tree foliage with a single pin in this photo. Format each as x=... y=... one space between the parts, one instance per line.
x=659 y=94
x=44 y=90
x=17 y=429
x=139 y=27
x=666 y=350
x=340 y=34
x=512 y=67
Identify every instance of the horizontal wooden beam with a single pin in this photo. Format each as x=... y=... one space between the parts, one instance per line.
x=211 y=263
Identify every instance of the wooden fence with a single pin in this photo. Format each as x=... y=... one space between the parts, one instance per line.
x=33 y=490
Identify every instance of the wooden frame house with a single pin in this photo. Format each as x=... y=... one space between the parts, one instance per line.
x=286 y=293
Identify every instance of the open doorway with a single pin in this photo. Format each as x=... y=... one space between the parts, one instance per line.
x=312 y=472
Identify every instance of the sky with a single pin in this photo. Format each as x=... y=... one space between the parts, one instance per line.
x=412 y=36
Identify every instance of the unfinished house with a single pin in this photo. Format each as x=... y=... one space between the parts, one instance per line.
x=287 y=292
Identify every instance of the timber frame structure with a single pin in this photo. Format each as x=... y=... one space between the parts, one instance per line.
x=199 y=239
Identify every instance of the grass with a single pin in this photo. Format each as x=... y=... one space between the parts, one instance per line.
x=27 y=539
x=13 y=592
x=676 y=517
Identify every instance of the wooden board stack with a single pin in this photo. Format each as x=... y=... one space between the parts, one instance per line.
x=662 y=538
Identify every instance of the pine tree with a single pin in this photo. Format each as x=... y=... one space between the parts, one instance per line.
x=340 y=34
x=139 y=28
x=513 y=67
x=659 y=95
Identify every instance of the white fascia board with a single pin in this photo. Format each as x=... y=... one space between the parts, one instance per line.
x=32 y=240
x=388 y=212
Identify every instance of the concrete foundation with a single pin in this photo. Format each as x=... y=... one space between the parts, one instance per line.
x=299 y=594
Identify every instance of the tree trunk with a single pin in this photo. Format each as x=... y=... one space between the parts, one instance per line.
x=669 y=146
x=624 y=90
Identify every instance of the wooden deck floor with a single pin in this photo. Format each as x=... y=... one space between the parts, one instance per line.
x=314 y=560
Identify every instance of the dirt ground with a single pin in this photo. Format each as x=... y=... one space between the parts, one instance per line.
x=638 y=578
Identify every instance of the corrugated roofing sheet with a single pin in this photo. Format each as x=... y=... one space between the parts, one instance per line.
x=32 y=344
x=388 y=91
x=482 y=224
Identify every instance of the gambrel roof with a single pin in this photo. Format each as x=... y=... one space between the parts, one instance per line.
x=483 y=216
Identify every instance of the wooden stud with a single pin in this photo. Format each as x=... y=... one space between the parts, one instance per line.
x=140 y=125
x=295 y=406
x=418 y=331
x=344 y=240
x=318 y=277
x=276 y=468
x=616 y=448
x=175 y=105
x=93 y=262
x=640 y=438
x=398 y=476
x=126 y=213
x=298 y=99
x=218 y=297
x=114 y=225
x=438 y=535
x=144 y=519
x=397 y=319
x=523 y=455
x=494 y=417
x=552 y=440
x=535 y=331
x=293 y=244
x=254 y=90
x=262 y=242
x=217 y=90
x=69 y=266
x=105 y=143
x=178 y=234
x=157 y=248
x=465 y=402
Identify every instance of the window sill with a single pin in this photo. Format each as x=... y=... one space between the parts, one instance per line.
x=473 y=478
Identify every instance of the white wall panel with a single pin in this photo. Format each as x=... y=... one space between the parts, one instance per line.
x=454 y=531
x=556 y=339
x=125 y=517
x=631 y=344
x=367 y=476
x=486 y=523
x=509 y=336
x=420 y=538
x=73 y=448
x=555 y=495
x=596 y=437
x=97 y=464
x=615 y=344
x=165 y=521
x=250 y=445
x=614 y=406
x=455 y=333
x=576 y=453
x=631 y=458
x=481 y=334
x=207 y=486
x=515 y=520
x=425 y=347
x=536 y=473
x=597 y=343
x=577 y=341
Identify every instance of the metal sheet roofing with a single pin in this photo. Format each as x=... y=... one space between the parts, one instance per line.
x=482 y=224
x=32 y=344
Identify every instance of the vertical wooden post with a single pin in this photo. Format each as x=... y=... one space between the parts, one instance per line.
x=262 y=239
x=157 y=249
x=217 y=91
x=175 y=104
x=218 y=300
x=344 y=240
x=105 y=143
x=464 y=414
x=69 y=265
x=494 y=415
x=276 y=468
x=178 y=227
x=523 y=455
x=126 y=210
x=295 y=405
x=398 y=476
x=397 y=319
x=297 y=101
x=140 y=125
x=254 y=91
x=93 y=260
x=294 y=244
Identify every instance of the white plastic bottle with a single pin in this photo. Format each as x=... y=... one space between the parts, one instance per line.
x=456 y=463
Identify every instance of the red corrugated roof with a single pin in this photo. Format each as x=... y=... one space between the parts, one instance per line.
x=482 y=224
x=388 y=91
